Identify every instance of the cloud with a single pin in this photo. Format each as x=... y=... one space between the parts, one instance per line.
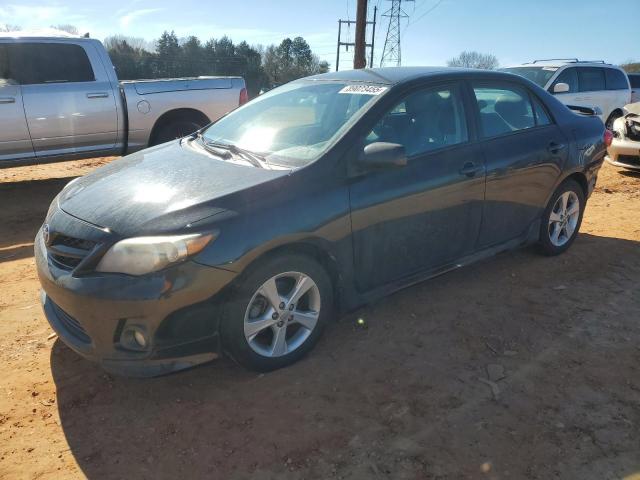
x=126 y=20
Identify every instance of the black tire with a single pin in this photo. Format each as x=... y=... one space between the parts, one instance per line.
x=175 y=129
x=232 y=333
x=612 y=118
x=545 y=242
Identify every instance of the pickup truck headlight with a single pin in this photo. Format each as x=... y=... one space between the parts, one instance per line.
x=141 y=255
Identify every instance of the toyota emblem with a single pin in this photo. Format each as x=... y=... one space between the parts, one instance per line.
x=46 y=233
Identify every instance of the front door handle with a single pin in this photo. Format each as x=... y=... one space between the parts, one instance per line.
x=97 y=95
x=555 y=148
x=7 y=100
x=470 y=169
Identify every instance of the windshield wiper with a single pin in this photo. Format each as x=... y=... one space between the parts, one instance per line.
x=253 y=158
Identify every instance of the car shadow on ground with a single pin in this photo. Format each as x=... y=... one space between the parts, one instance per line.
x=399 y=392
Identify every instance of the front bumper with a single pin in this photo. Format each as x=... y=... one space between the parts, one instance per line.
x=624 y=153
x=174 y=308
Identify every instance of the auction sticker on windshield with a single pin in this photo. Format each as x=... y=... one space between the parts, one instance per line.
x=363 y=89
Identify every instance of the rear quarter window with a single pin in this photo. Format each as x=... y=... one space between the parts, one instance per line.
x=616 y=79
x=38 y=63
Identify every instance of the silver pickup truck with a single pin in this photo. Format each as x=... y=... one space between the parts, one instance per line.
x=60 y=99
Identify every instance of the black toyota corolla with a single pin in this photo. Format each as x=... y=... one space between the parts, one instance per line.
x=248 y=236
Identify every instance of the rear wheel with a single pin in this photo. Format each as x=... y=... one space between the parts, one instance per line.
x=177 y=128
x=278 y=313
x=562 y=218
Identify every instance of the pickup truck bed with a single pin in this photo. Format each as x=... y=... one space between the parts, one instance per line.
x=60 y=99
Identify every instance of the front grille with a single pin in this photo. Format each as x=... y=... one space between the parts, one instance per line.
x=629 y=160
x=71 y=324
x=73 y=242
x=67 y=252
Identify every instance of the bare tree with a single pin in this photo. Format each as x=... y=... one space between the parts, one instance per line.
x=631 y=66
x=466 y=59
x=72 y=29
x=9 y=28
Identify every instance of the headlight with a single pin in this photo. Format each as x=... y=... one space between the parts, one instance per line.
x=140 y=255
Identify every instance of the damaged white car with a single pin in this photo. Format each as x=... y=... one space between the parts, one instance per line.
x=624 y=150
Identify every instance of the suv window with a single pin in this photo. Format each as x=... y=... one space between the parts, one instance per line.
x=591 y=79
x=34 y=63
x=568 y=76
x=424 y=120
x=615 y=79
x=504 y=109
x=4 y=66
x=635 y=80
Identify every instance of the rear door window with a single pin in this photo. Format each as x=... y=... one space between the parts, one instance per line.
x=615 y=79
x=591 y=79
x=635 y=81
x=568 y=76
x=504 y=109
x=37 y=63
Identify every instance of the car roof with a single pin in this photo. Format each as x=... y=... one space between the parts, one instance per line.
x=41 y=35
x=562 y=63
x=397 y=75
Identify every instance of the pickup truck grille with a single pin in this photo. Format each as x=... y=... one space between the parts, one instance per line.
x=67 y=252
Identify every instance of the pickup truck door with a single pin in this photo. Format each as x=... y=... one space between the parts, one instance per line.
x=68 y=101
x=15 y=142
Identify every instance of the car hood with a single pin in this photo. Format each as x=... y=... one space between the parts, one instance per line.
x=159 y=189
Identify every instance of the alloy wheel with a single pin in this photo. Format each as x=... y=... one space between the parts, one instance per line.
x=282 y=314
x=564 y=217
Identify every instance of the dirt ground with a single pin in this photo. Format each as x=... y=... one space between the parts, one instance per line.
x=406 y=396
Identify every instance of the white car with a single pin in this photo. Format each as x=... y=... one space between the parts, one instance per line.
x=582 y=83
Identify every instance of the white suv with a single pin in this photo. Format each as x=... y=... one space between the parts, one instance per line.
x=581 y=83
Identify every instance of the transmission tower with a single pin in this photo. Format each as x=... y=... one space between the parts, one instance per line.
x=392 y=55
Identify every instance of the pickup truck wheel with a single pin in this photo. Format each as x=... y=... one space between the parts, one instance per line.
x=175 y=129
x=562 y=218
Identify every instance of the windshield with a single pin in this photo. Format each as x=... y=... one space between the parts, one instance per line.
x=539 y=75
x=294 y=124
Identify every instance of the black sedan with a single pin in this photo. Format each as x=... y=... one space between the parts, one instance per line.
x=248 y=236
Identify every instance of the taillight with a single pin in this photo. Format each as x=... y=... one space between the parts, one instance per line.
x=244 y=96
x=608 y=137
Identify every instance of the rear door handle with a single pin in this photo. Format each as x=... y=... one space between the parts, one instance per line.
x=97 y=95
x=470 y=169
x=555 y=148
x=7 y=100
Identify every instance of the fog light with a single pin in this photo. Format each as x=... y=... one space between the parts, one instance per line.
x=140 y=339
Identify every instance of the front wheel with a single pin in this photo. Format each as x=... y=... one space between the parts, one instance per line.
x=278 y=313
x=562 y=218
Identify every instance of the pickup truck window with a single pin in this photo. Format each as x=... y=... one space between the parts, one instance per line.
x=37 y=63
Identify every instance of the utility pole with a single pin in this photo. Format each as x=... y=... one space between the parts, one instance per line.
x=391 y=54
x=359 y=55
x=354 y=44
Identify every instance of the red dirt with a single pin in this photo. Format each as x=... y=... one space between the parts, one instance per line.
x=398 y=398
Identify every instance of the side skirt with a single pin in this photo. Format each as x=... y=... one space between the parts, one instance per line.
x=353 y=299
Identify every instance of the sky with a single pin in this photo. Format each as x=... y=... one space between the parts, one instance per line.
x=515 y=31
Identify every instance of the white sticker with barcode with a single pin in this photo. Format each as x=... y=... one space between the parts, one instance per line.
x=363 y=89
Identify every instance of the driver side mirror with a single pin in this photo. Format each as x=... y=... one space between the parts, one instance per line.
x=561 y=87
x=383 y=155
